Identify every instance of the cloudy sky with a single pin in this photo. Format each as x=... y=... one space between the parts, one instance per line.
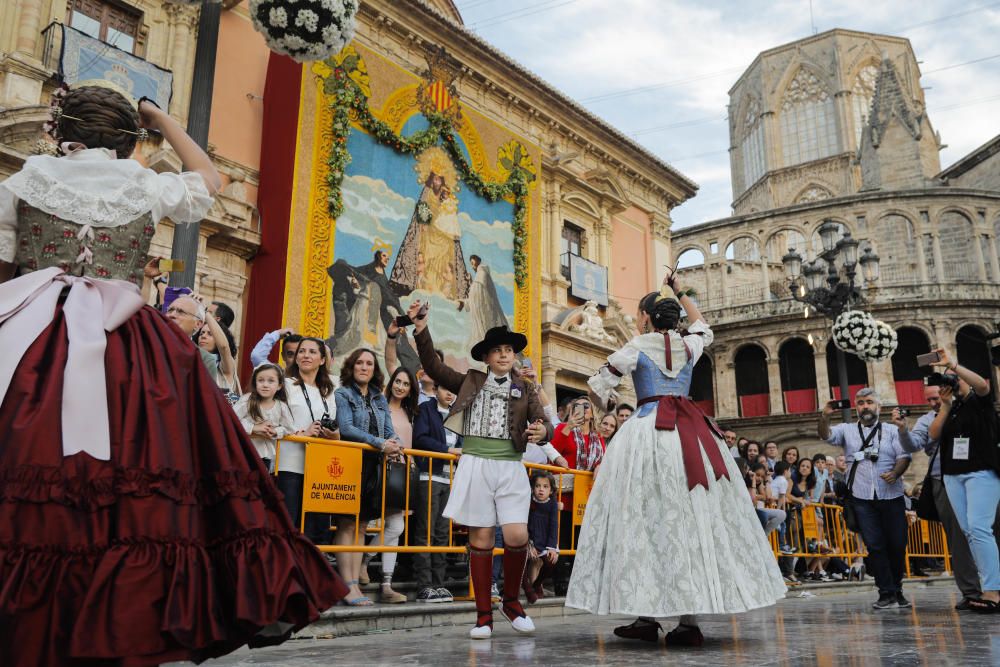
x=659 y=70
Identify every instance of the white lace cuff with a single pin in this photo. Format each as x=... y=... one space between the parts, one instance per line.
x=603 y=383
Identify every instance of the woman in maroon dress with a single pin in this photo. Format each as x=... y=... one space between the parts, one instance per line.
x=137 y=524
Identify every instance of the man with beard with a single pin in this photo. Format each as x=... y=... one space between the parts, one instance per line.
x=351 y=283
x=877 y=463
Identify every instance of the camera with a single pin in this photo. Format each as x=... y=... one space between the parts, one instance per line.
x=904 y=412
x=327 y=423
x=942 y=380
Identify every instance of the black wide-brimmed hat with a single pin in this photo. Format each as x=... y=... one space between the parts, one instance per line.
x=499 y=336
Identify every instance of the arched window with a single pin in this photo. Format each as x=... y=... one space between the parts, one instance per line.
x=751 y=381
x=808 y=120
x=690 y=258
x=956 y=237
x=861 y=99
x=857 y=372
x=702 y=386
x=909 y=377
x=798 y=376
x=752 y=143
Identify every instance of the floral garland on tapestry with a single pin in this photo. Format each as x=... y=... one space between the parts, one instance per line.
x=345 y=79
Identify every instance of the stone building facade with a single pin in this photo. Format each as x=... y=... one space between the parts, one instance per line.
x=603 y=197
x=833 y=128
x=163 y=34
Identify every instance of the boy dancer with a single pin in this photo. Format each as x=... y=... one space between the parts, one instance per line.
x=497 y=414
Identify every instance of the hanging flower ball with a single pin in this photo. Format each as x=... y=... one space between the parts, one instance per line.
x=305 y=30
x=854 y=331
x=884 y=343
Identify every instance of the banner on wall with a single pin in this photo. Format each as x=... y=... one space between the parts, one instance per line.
x=80 y=58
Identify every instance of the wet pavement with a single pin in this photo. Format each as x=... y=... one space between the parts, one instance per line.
x=824 y=631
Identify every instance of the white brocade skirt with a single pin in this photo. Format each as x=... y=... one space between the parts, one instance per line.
x=651 y=547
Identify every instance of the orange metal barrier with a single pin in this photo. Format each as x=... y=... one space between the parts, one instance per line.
x=926 y=540
x=815 y=531
x=582 y=481
x=818 y=531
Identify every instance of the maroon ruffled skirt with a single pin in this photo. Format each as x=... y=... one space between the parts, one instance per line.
x=177 y=548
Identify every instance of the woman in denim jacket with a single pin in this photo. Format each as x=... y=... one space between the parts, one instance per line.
x=363 y=416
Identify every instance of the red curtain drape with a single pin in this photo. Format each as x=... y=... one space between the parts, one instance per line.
x=755 y=405
x=266 y=288
x=800 y=400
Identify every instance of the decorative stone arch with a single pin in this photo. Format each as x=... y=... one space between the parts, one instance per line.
x=800 y=62
x=912 y=324
x=742 y=125
x=971 y=216
x=806 y=194
x=693 y=246
x=584 y=202
x=736 y=349
x=724 y=246
x=786 y=228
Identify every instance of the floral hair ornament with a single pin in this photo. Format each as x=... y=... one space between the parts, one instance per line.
x=51 y=126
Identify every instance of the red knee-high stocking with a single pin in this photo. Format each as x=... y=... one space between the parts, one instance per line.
x=481 y=572
x=514 y=559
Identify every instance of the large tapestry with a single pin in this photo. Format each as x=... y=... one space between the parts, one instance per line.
x=411 y=196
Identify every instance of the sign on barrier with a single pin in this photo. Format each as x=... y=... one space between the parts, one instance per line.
x=332 y=480
x=581 y=492
x=810 y=527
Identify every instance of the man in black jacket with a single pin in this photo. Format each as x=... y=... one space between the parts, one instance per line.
x=430 y=434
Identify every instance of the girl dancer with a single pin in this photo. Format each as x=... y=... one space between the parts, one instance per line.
x=700 y=549
x=138 y=526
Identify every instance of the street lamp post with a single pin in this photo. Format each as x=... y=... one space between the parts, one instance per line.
x=838 y=263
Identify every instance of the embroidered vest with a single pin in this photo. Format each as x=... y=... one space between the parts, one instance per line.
x=118 y=253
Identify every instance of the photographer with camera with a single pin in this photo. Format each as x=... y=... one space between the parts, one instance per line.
x=966 y=575
x=965 y=427
x=875 y=490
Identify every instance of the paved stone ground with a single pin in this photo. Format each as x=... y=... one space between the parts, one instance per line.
x=826 y=630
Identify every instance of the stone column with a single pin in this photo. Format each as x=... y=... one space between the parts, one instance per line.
x=991 y=240
x=765 y=279
x=725 y=386
x=774 y=386
x=555 y=228
x=660 y=227
x=944 y=337
x=724 y=301
x=822 y=377
x=29 y=27
x=938 y=262
x=549 y=383
x=880 y=373
x=182 y=26
x=977 y=250
x=921 y=259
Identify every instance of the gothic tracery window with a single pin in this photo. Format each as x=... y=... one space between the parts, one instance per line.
x=808 y=120
x=861 y=98
x=752 y=143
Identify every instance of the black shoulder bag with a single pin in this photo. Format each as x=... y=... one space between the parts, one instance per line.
x=925 y=507
x=850 y=516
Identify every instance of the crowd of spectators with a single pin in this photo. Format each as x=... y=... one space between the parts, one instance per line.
x=795 y=497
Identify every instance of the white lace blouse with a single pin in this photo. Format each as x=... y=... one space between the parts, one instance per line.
x=92 y=187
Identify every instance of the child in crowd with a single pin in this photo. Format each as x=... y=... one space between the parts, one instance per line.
x=264 y=411
x=779 y=491
x=543 y=529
